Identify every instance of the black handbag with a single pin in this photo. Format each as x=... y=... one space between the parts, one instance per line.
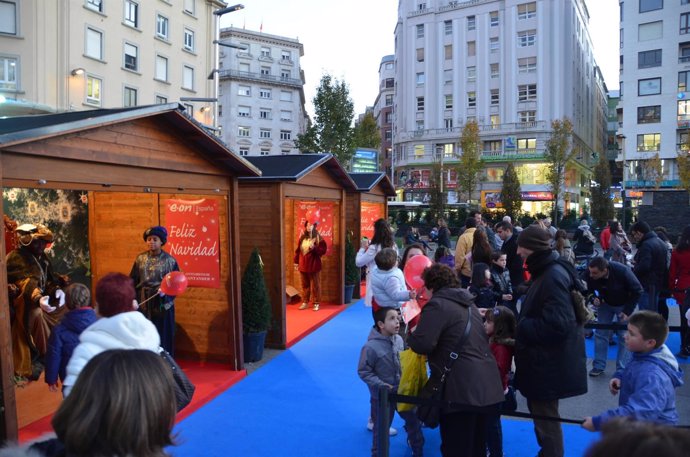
x=430 y=414
x=184 y=388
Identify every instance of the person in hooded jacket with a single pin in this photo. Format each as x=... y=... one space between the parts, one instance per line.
x=584 y=246
x=650 y=264
x=550 y=355
x=474 y=379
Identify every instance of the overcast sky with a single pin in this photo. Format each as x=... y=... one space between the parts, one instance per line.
x=348 y=39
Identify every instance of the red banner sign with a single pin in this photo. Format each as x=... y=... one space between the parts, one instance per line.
x=370 y=213
x=321 y=212
x=193 y=239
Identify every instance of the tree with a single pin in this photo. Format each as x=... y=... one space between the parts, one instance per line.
x=654 y=170
x=602 y=205
x=683 y=163
x=559 y=152
x=471 y=163
x=511 y=198
x=256 y=305
x=332 y=130
x=367 y=133
x=437 y=196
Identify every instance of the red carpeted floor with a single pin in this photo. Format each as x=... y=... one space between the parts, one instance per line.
x=210 y=380
x=301 y=323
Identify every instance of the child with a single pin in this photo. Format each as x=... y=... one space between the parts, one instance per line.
x=647 y=383
x=379 y=365
x=387 y=281
x=499 y=324
x=65 y=336
x=444 y=256
x=481 y=287
x=500 y=277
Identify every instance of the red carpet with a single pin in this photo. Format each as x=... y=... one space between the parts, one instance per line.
x=210 y=380
x=301 y=323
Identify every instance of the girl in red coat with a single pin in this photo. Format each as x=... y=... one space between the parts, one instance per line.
x=310 y=248
x=499 y=323
x=678 y=283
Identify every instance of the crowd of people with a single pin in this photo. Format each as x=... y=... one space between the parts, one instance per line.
x=523 y=305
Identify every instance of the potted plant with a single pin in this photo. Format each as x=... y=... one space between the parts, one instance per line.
x=256 y=308
x=352 y=272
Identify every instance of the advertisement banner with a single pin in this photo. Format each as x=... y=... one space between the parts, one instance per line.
x=370 y=213
x=321 y=212
x=193 y=239
x=492 y=198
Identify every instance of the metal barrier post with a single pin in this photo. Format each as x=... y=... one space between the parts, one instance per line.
x=382 y=422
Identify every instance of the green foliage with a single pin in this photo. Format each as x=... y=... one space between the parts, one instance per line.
x=510 y=192
x=654 y=170
x=256 y=305
x=559 y=152
x=402 y=217
x=332 y=131
x=352 y=273
x=437 y=197
x=471 y=163
x=367 y=134
x=683 y=163
x=602 y=204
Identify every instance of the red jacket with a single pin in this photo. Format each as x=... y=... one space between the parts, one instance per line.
x=679 y=274
x=311 y=261
x=503 y=353
x=605 y=238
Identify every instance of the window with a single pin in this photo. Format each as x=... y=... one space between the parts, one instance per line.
x=8 y=17
x=524 y=144
x=94 y=43
x=8 y=73
x=420 y=103
x=388 y=135
x=684 y=23
x=650 y=31
x=265 y=52
x=527 y=38
x=684 y=52
x=244 y=132
x=448 y=51
x=647 y=59
x=420 y=30
x=495 y=97
x=161 y=100
x=471 y=74
x=448 y=124
x=418 y=150
x=187 y=77
x=493 y=146
x=244 y=90
x=244 y=67
x=285 y=115
x=649 y=114
x=129 y=97
x=161 y=68
x=93 y=90
x=648 y=142
x=651 y=5
x=161 y=27
x=421 y=6
x=471 y=99
x=494 y=70
x=189 y=108
x=493 y=19
x=420 y=79
x=683 y=110
x=683 y=81
x=449 y=101
x=96 y=5
x=419 y=125
x=286 y=56
x=131 y=57
x=188 y=40
x=265 y=71
x=448 y=27
x=494 y=45
x=285 y=96
x=285 y=74
x=527 y=10
x=265 y=134
x=189 y=6
x=220 y=110
x=651 y=86
x=285 y=134
x=265 y=113
x=265 y=152
x=447 y=76
x=495 y=120
x=244 y=151
x=420 y=54
x=471 y=23
x=527 y=92
x=131 y=16
x=388 y=118
x=527 y=65
x=527 y=116
x=264 y=93
x=471 y=48
x=389 y=99
x=244 y=111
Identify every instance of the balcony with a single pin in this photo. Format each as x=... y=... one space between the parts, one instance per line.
x=249 y=76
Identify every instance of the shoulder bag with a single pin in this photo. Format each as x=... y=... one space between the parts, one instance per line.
x=184 y=388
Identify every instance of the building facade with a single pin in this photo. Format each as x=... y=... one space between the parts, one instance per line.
x=383 y=111
x=261 y=94
x=512 y=66
x=86 y=54
x=654 y=95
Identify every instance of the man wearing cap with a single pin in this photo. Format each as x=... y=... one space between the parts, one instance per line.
x=149 y=269
x=549 y=343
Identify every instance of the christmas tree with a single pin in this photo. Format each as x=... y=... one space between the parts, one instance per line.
x=256 y=305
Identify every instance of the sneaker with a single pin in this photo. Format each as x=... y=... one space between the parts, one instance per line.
x=304 y=305
x=316 y=306
x=594 y=372
x=391 y=431
x=370 y=425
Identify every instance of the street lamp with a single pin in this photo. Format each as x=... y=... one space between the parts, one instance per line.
x=620 y=139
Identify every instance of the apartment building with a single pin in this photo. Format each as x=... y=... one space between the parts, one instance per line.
x=383 y=111
x=261 y=94
x=512 y=66
x=83 y=54
x=654 y=106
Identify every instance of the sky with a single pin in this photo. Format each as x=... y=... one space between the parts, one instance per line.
x=348 y=39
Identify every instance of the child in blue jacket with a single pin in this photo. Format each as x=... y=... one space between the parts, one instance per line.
x=65 y=336
x=647 y=383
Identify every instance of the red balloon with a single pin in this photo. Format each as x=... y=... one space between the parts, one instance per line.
x=174 y=283
x=413 y=270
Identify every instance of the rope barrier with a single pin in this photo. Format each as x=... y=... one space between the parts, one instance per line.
x=596 y=325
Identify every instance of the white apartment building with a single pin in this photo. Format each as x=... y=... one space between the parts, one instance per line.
x=654 y=106
x=82 y=54
x=261 y=95
x=511 y=65
x=383 y=111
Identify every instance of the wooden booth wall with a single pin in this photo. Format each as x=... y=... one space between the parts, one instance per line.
x=203 y=317
x=353 y=213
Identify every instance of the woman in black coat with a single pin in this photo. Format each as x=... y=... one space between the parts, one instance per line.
x=474 y=379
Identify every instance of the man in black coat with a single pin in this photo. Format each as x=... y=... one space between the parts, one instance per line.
x=504 y=229
x=550 y=355
x=650 y=265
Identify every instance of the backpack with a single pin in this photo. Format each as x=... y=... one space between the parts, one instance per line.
x=589 y=236
x=582 y=313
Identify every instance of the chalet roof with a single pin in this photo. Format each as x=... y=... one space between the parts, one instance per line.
x=26 y=129
x=295 y=167
x=367 y=181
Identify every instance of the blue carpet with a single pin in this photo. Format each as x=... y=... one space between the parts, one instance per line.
x=309 y=401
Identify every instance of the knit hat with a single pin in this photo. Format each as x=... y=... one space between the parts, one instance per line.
x=535 y=238
x=158 y=231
